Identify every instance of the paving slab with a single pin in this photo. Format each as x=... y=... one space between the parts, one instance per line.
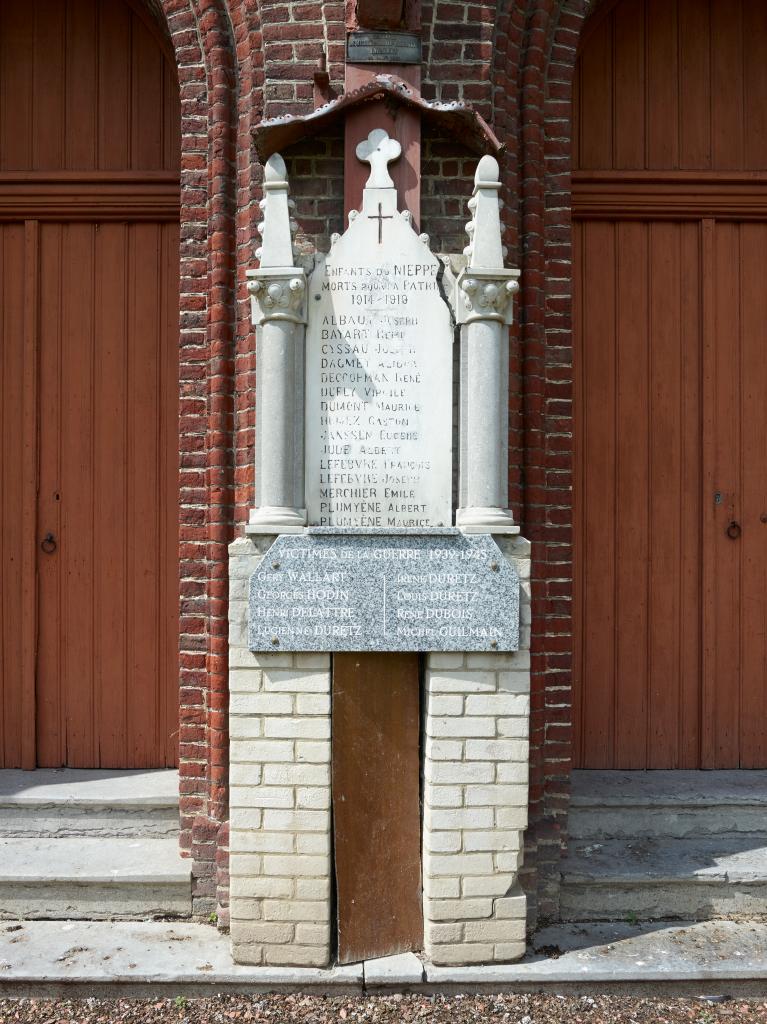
x=728 y=858
x=115 y=959
x=708 y=957
x=401 y=971
x=142 y=958
x=624 y=789
x=94 y=878
x=138 y=860
x=95 y=787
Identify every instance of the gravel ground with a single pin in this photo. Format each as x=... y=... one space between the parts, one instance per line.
x=393 y=1009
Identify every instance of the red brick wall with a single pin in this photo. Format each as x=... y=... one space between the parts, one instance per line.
x=240 y=61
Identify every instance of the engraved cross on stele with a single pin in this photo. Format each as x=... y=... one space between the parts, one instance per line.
x=379 y=150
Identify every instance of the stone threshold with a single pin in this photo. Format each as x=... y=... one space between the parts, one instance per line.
x=134 y=959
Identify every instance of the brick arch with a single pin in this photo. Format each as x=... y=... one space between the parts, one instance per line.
x=536 y=44
x=553 y=33
x=200 y=34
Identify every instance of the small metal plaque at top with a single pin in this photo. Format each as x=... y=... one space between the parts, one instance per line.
x=358 y=591
x=383 y=48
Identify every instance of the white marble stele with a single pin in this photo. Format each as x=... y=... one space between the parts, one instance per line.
x=379 y=369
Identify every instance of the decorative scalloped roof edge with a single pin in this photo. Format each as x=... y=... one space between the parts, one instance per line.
x=458 y=118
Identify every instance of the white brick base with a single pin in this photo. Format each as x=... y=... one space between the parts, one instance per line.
x=279 y=861
x=475 y=807
x=475 y=794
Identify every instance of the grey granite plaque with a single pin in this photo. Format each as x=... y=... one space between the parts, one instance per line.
x=383 y=48
x=358 y=590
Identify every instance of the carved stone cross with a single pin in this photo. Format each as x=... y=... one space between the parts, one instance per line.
x=380 y=217
x=379 y=150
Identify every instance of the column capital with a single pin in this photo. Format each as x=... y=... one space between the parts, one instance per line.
x=485 y=295
x=277 y=293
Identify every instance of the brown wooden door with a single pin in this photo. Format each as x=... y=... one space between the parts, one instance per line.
x=89 y=276
x=670 y=236
x=376 y=804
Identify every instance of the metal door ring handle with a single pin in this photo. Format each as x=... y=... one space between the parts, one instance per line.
x=49 y=544
x=733 y=530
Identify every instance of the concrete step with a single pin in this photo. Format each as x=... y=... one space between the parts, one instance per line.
x=615 y=804
x=84 y=802
x=645 y=879
x=93 y=878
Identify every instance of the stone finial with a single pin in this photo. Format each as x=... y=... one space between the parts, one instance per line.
x=379 y=150
x=485 y=288
x=278 y=288
x=485 y=251
x=277 y=227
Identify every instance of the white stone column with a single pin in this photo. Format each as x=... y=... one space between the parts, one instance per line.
x=484 y=311
x=278 y=303
x=476 y=796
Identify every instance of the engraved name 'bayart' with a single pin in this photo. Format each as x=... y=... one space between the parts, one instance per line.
x=379 y=369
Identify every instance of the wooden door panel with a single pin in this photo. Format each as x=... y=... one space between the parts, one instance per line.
x=753 y=593
x=632 y=482
x=722 y=626
x=107 y=680
x=673 y=85
x=596 y=630
x=376 y=804
x=12 y=519
x=84 y=85
x=638 y=494
x=735 y=624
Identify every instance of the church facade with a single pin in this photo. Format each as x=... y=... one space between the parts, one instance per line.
x=631 y=138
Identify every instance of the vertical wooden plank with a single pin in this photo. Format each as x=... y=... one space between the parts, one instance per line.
x=16 y=33
x=376 y=804
x=633 y=525
x=143 y=490
x=629 y=83
x=712 y=520
x=171 y=132
x=110 y=494
x=596 y=95
x=51 y=749
x=169 y=490
x=78 y=498
x=146 y=128
x=662 y=85
x=690 y=578
x=48 y=124
x=665 y=487
x=13 y=527
x=113 y=101
x=29 y=514
x=753 y=541
x=727 y=85
x=81 y=86
x=722 y=689
x=598 y=551
x=694 y=85
x=755 y=85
